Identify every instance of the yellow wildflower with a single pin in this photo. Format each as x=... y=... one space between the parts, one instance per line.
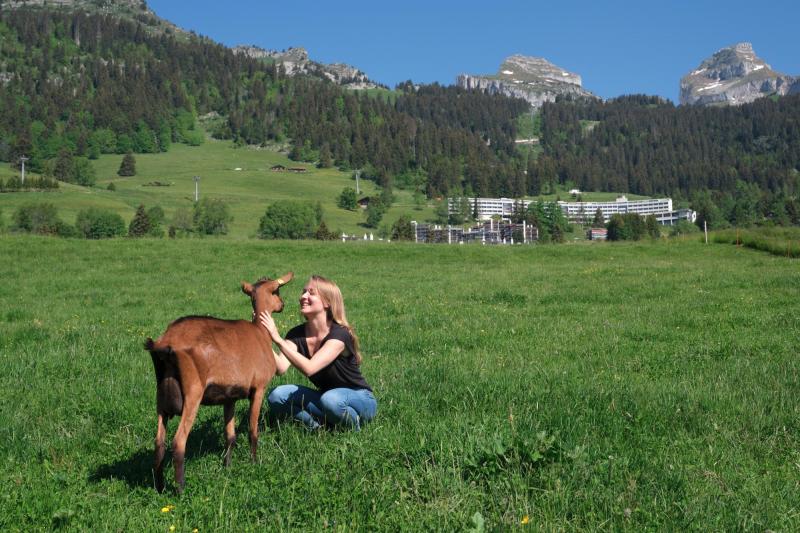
x=167 y=509
x=172 y=528
x=525 y=520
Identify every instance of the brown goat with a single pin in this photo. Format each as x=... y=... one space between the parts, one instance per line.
x=209 y=361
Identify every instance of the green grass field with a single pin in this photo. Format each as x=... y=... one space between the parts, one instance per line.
x=649 y=386
x=248 y=191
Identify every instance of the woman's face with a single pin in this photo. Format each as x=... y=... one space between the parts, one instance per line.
x=310 y=301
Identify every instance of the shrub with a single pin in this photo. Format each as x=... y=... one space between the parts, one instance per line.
x=156 y=216
x=41 y=218
x=96 y=223
x=211 y=217
x=288 y=220
x=182 y=223
x=375 y=211
x=324 y=234
x=403 y=230
x=683 y=227
x=347 y=199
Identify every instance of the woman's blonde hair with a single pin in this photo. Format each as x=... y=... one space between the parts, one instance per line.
x=332 y=297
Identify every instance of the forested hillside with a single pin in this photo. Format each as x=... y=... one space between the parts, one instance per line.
x=747 y=154
x=90 y=84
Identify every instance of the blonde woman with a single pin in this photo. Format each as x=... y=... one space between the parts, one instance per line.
x=325 y=349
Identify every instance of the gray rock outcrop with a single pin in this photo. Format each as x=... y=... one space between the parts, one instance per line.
x=734 y=75
x=531 y=78
x=295 y=62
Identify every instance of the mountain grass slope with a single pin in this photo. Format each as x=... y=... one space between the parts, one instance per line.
x=166 y=180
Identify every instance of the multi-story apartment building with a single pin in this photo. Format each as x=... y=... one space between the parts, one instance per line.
x=661 y=208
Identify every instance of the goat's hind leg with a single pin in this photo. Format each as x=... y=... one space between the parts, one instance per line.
x=230 y=431
x=160 y=451
x=192 y=395
x=255 y=410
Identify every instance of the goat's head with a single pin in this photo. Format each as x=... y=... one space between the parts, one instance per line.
x=265 y=293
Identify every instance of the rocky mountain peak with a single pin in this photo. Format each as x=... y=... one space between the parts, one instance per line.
x=532 y=78
x=295 y=61
x=733 y=75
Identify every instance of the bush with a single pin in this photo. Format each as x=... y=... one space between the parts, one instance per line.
x=96 y=223
x=683 y=227
x=41 y=218
x=156 y=216
x=375 y=211
x=347 y=199
x=288 y=220
x=324 y=234
x=182 y=223
x=403 y=230
x=211 y=217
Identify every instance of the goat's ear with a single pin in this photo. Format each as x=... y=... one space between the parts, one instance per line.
x=247 y=288
x=286 y=278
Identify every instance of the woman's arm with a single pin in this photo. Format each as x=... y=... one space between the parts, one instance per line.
x=281 y=363
x=321 y=358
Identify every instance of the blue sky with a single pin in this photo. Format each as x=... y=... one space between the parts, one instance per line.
x=618 y=47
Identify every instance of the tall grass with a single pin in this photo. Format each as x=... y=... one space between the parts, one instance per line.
x=633 y=386
x=776 y=241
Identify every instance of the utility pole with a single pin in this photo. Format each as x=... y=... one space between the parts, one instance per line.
x=196 y=189
x=358 y=173
x=22 y=160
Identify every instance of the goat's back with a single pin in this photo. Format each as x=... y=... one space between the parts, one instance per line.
x=222 y=351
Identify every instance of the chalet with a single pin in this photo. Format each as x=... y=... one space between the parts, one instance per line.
x=296 y=169
x=363 y=203
x=278 y=168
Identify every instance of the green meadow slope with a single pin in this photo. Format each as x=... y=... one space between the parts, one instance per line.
x=248 y=191
x=638 y=387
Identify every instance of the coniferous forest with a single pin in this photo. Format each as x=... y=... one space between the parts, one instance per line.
x=75 y=85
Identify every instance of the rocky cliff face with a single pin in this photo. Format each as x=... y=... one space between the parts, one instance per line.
x=295 y=61
x=531 y=78
x=132 y=10
x=734 y=75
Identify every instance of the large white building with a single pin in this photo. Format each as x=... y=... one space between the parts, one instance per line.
x=487 y=207
x=583 y=211
x=661 y=208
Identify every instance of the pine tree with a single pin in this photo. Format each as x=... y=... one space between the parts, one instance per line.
x=325 y=157
x=140 y=225
x=598 y=221
x=128 y=166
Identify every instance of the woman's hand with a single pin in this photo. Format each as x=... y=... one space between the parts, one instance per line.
x=267 y=321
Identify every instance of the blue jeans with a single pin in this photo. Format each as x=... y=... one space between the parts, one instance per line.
x=347 y=408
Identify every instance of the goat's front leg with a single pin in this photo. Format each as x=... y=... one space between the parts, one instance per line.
x=230 y=430
x=160 y=451
x=255 y=410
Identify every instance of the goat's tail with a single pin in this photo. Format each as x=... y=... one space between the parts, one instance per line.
x=169 y=395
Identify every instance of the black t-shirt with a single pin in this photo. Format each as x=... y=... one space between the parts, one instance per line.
x=343 y=371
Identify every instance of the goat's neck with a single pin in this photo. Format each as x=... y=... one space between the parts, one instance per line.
x=258 y=308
